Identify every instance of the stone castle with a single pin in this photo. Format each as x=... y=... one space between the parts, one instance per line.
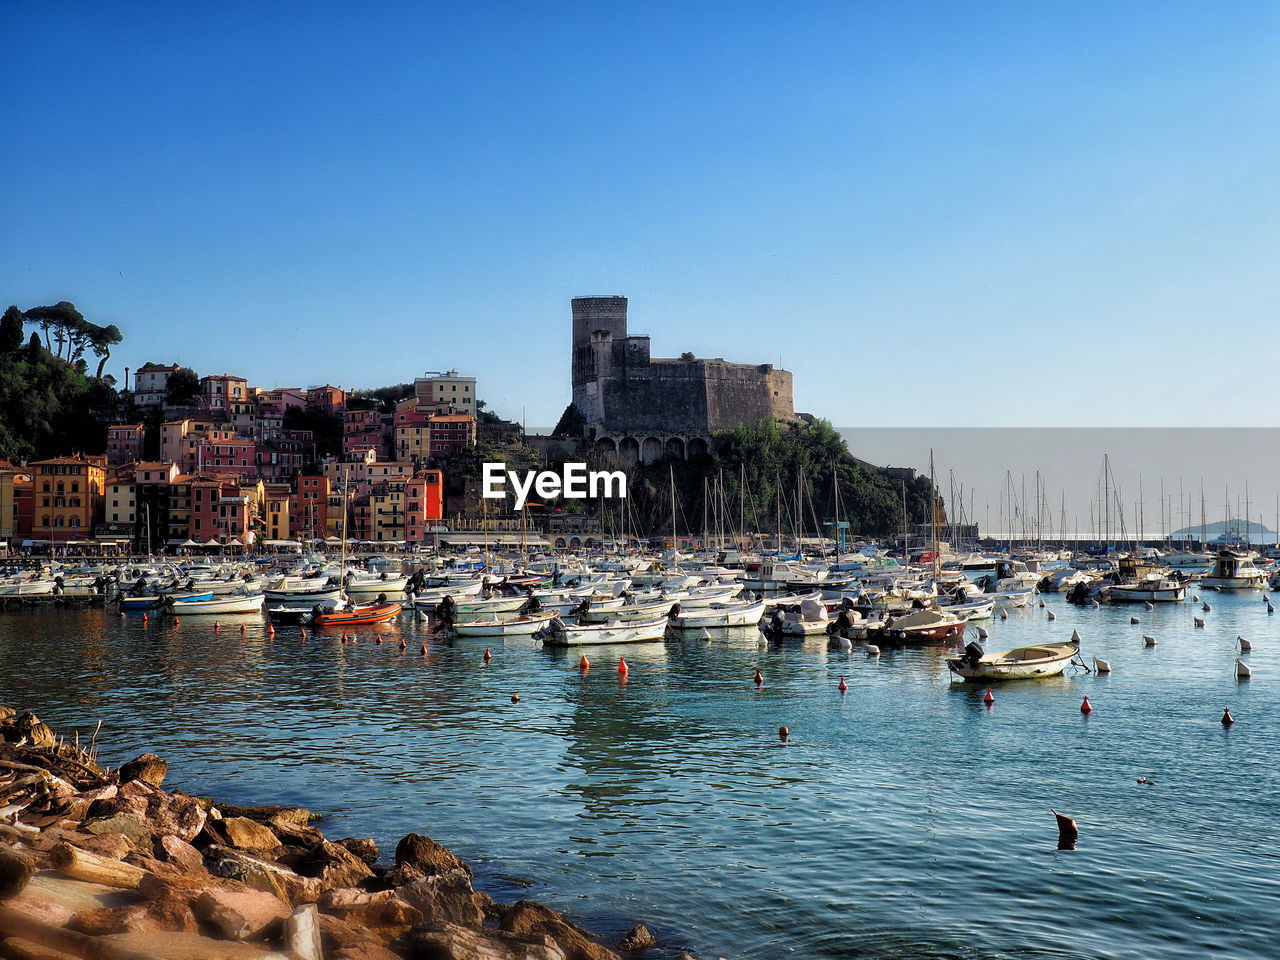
x=637 y=407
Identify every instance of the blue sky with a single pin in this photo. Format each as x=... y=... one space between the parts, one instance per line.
x=932 y=213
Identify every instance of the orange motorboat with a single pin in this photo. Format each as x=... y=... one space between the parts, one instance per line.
x=371 y=613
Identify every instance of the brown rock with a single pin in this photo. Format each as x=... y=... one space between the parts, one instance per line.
x=178 y=852
x=121 y=824
x=257 y=873
x=427 y=855
x=336 y=866
x=298 y=816
x=528 y=917
x=148 y=768
x=638 y=938
x=291 y=834
x=384 y=912
x=115 y=845
x=246 y=834
x=437 y=940
x=188 y=946
x=346 y=941
x=28 y=727
x=364 y=848
x=176 y=814
x=16 y=870
x=239 y=914
x=447 y=897
x=164 y=915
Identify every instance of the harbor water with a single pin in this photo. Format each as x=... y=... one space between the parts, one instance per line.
x=903 y=818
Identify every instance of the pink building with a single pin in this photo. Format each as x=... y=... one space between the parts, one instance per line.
x=452 y=433
x=364 y=430
x=124 y=443
x=217 y=392
x=326 y=399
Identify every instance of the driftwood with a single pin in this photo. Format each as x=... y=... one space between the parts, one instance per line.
x=16 y=869
x=83 y=865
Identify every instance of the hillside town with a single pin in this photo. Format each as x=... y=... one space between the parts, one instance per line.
x=220 y=468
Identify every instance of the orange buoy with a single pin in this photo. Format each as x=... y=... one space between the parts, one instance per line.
x=584 y=663
x=759 y=678
x=144 y=618
x=216 y=625
x=242 y=628
x=379 y=639
x=989 y=697
x=622 y=666
x=487 y=655
x=1085 y=707
x=271 y=630
x=304 y=633
x=402 y=643
x=842 y=687
x=1227 y=718
x=176 y=621
x=424 y=649
x=783 y=733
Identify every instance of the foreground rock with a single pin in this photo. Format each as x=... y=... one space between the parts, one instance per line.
x=95 y=863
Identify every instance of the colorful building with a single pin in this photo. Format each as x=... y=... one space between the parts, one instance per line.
x=68 y=494
x=364 y=430
x=151 y=383
x=457 y=391
x=327 y=399
x=124 y=443
x=452 y=433
x=218 y=391
x=309 y=507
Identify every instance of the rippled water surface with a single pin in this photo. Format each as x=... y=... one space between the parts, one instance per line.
x=904 y=819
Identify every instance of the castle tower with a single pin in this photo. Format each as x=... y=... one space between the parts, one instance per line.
x=597 y=321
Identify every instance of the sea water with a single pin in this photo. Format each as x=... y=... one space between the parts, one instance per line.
x=903 y=818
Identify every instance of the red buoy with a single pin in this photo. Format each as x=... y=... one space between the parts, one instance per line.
x=989 y=697
x=176 y=621
x=402 y=643
x=1227 y=718
x=783 y=733
x=379 y=639
x=216 y=625
x=242 y=628
x=759 y=678
x=622 y=666
x=487 y=655
x=584 y=663
x=842 y=687
x=271 y=631
x=1085 y=707
x=424 y=649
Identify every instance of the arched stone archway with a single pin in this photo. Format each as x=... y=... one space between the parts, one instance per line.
x=697 y=447
x=607 y=447
x=675 y=447
x=628 y=451
x=651 y=449
x=560 y=544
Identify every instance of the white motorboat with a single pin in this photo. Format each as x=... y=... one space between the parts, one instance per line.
x=1022 y=663
x=1234 y=571
x=734 y=613
x=1153 y=588
x=975 y=608
x=521 y=626
x=560 y=634
x=245 y=603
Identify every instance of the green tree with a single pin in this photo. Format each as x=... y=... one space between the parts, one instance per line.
x=182 y=387
x=11 y=330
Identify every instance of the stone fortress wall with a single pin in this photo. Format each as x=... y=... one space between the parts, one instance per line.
x=640 y=407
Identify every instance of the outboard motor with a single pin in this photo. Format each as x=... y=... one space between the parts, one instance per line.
x=972 y=654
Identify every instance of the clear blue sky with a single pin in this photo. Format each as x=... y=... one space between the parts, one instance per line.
x=932 y=213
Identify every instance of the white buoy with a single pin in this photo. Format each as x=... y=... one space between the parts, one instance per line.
x=982 y=633
x=1205 y=607
x=844 y=643
x=1245 y=645
x=1051 y=616
x=1149 y=605
x=873 y=650
x=1004 y=615
x=1102 y=666
x=1265 y=598
x=1195 y=598
x=1075 y=636
x=1199 y=621
x=705 y=635
x=1242 y=670
x=1149 y=641
x=1134 y=620
x=1041 y=604
x=1270 y=608
x=1094 y=605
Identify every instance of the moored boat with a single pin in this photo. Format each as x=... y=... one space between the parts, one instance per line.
x=1021 y=663
x=246 y=603
x=355 y=616
x=560 y=634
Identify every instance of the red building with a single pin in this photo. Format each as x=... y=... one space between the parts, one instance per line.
x=326 y=399
x=452 y=433
x=364 y=430
x=124 y=443
x=424 y=505
x=309 y=508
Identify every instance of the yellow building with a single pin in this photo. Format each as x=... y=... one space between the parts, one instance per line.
x=11 y=478
x=277 y=512
x=386 y=508
x=68 y=497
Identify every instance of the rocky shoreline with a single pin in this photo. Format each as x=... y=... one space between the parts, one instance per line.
x=96 y=863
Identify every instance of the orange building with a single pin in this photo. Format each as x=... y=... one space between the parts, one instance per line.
x=68 y=497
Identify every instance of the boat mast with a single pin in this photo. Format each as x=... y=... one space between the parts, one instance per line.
x=672 y=474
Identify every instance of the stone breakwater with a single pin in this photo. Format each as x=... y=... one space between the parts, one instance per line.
x=107 y=864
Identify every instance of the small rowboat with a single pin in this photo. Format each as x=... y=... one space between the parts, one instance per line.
x=521 y=626
x=1042 y=660
x=560 y=634
x=373 y=613
x=250 y=603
